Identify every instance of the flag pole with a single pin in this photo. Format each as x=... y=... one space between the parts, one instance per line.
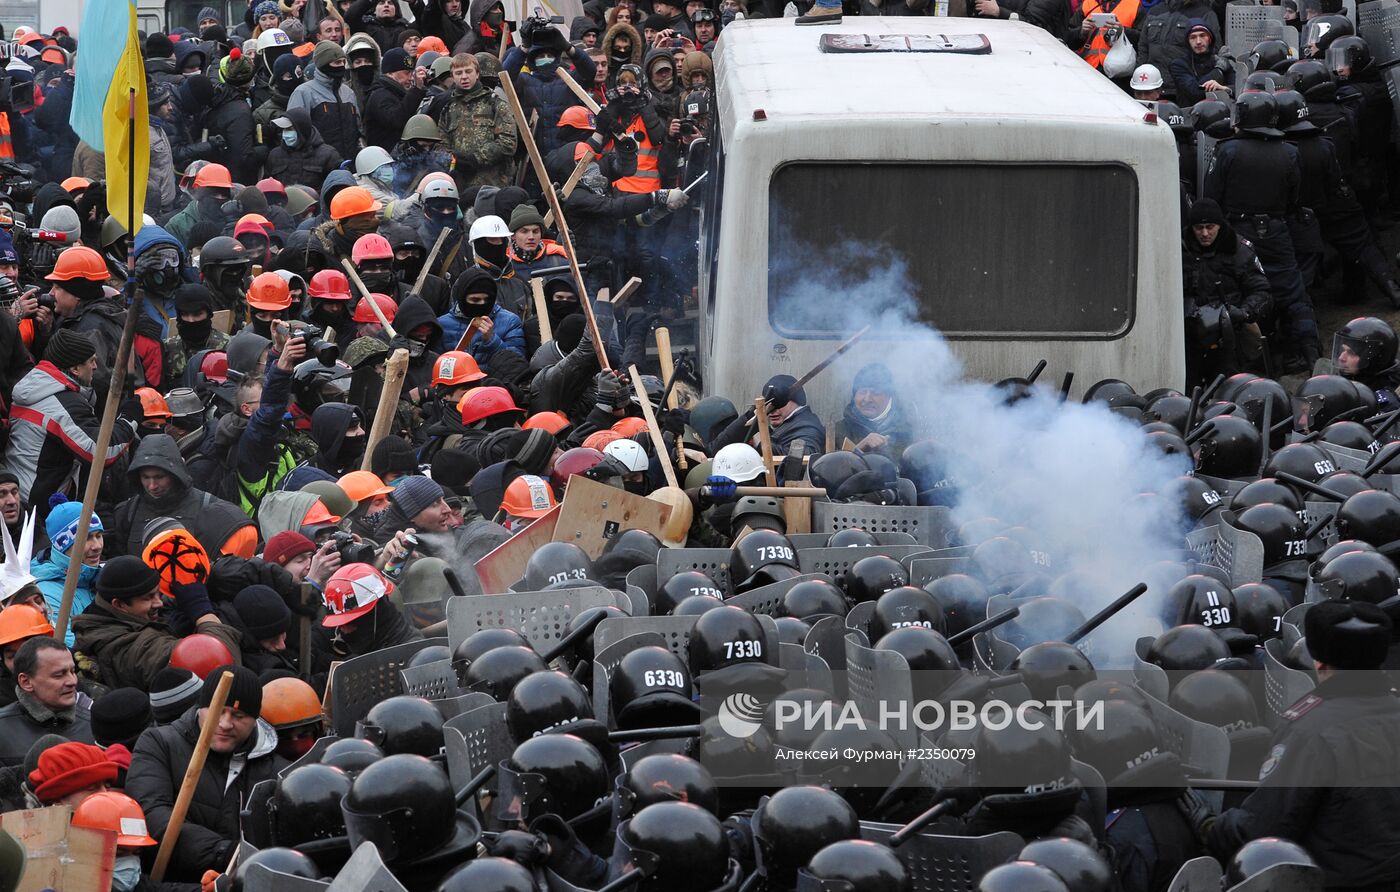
x=114 y=389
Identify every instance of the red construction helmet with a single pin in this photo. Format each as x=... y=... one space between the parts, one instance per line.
x=201 y=654
x=598 y=439
x=351 y=592
x=483 y=402
x=455 y=367
x=574 y=461
x=214 y=366
x=329 y=284
x=371 y=246
x=630 y=426
x=363 y=313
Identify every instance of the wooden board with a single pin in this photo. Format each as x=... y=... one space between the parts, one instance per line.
x=60 y=856
x=505 y=564
x=223 y=320
x=593 y=512
x=797 y=510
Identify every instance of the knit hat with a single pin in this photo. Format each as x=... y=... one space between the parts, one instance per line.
x=454 y=469
x=1347 y=634
x=266 y=7
x=397 y=59
x=67 y=768
x=68 y=349
x=875 y=376
x=38 y=748
x=656 y=22
x=193 y=297
x=173 y=691
x=159 y=94
x=119 y=716
x=569 y=332
x=294 y=29
x=393 y=455
x=263 y=612
x=245 y=694
x=532 y=449
x=286 y=545
x=1205 y=210
x=159 y=46
x=237 y=69
x=326 y=52
x=62 y=523
x=414 y=494
x=126 y=576
x=525 y=215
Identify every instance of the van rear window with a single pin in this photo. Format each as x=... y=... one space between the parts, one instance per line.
x=989 y=250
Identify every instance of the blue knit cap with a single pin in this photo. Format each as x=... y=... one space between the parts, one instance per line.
x=62 y=523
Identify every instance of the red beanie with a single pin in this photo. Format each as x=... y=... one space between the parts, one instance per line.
x=286 y=545
x=68 y=768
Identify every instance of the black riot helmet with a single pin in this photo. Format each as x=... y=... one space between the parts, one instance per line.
x=1188 y=647
x=1046 y=666
x=1203 y=599
x=351 y=755
x=1003 y=562
x=1280 y=529
x=1199 y=499
x=405 y=806
x=1343 y=546
x=1107 y=690
x=870 y=577
x=1169 y=442
x=666 y=777
x=651 y=688
x=556 y=562
x=1127 y=737
x=1293 y=112
x=1229 y=448
x=1211 y=117
x=851 y=537
x=1311 y=78
x=306 y=805
x=1170 y=113
x=1348 y=56
x=557 y=774
x=854 y=865
x=696 y=605
x=1171 y=408
x=1259 y=609
x=922 y=648
x=905 y=606
x=545 y=700
x=1258 y=855
x=1041 y=619
x=760 y=558
x=1349 y=434
x=796 y=823
x=433 y=653
x=677 y=846
x=500 y=669
x=1305 y=460
x=681 y=586
x=582 y=650
x=1081 y=867
x=481 y=641
x=1270 y=55
x=635 y=540
x=1256 y=112
x=1372 y=516
x=403 y=724
x=1215 y=697
x=1364 y=346
x=792 y=630
x=1021 y=876
x=1266 y=489
x=1359 y=576
x=1263 y=82
x=925 y=464
x=1320 y=33
x=1345 y=483
x=489 y=875
x=814 y=598
x=963 y=599
x=723 y=637
x=1028 y=756
x=832 y=469
x=1319 y=400
x=279 y=859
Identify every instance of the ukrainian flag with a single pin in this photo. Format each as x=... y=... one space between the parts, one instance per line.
x=109 y=69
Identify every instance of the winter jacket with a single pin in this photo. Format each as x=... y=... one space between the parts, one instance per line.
x=801 y=430
x=161 y=189
x=388 y=106
x=383 y=627
x=211 y=830
x=432 y=19
x=1164 y=34
x=1227 y=272
x=413 y=313
x=333 y=112
x=130 y=651
x=161 y=312
x=1190 y=72
x=60 y=140
x=230 y=114
x=310 y=161
x=480 y=132
x=53 y=430
x=479 y=37
x=1047 y=14
x=616 y=60
x=562 y=386
x=547 y=92
x=594 y=209
x=163 y=71
x=51 y=573
x=360 y=18
x=896 y=426
x=509 y=334
x=23 y=722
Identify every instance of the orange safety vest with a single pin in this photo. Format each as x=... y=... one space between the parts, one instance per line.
x=1096 y=48
x=648 y=176
x=7 y=146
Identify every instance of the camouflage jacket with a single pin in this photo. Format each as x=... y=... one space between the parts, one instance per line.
x=177 y=355
x=481 y=135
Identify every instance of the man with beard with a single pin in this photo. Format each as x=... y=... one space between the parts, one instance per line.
x=13 y=510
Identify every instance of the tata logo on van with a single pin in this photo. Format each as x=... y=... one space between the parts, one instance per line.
x=779 y=349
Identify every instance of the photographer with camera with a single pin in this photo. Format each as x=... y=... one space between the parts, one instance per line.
x=546 y=50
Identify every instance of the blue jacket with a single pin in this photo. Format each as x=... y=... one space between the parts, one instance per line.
x=262 y=460
x=509 y=334
x=548 y=92
x=147 y=238
x=50 y=573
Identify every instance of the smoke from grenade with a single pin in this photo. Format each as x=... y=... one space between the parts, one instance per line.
x=1087 y=491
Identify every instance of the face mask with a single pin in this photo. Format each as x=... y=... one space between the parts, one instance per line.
x=365 y=75
x=262 y=327
x=637 y=488
x=285 y=85
x=495 y=17
x=544 y=63
x=381 y=283
x=335 y=74
x=161 y=282
x=352 y=450
x=472 y=310
x=194 y=333
x=384 y=173
x=290 y=138
x=126 y=873
x=409 y=268
x=325 y=312
x=415 y=348
x=492 y=254
x=441 y=216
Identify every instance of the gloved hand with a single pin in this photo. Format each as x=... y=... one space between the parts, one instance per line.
x=568 y=857
x=777 y=395
x=792 y=468
x=218 y=142
x=721 y=489
x=1197 y=812
x=519 y=846
x=131 y=409
x=676 y=199
x=527 y=33
x=192 y=599
x=673 y=421
x=611 y=390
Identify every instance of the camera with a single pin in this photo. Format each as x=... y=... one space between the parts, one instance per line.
x=689 y=127
x=324 y=351
x=47 y=300
x=352 y=552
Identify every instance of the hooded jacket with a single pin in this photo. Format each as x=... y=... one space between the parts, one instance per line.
x=435 y=20
x=508 y=334
x=412 y=313
x=163 y=71
x=310 y=161
x=231 y=115
x=281 y=511
x=328 y=426
x=478 y=36
x=160 y=311
x=186 y=48
x=633 y=57
x=546 y=90
x=333 y=112
x=51 y=573
x=665 y=102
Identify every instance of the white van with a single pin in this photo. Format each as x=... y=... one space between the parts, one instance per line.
x=1033 y=204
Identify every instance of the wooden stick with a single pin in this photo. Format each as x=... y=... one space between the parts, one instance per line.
x=98 y=465
x=543 y=176
x=570 y=184
x=668 y=371
x=760 y=412
x=505 y=37
x=541 y=311
x=394 y=372
x=465 y=340
x=364 y=294
x=428 y=263
x=578 y=91
x=626 y=291
x=835 y=354
x=663 y=454
x=192 y=772
x=778 y=492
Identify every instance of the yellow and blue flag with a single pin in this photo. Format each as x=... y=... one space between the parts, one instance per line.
x=109 y=69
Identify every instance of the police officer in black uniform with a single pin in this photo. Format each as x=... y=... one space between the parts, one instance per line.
x=1331 y=782
x=1254 y=176
x=1365 y=350
x=1362 y=89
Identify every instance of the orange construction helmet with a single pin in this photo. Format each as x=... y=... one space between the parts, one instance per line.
x=455 y=367
x=21 y=621
x=178 y=559
x=361 y=485
x=432 y=44
x=201 y=654
x=78 y=262
x=75 y=184
x=578 y=117
x=483 y=402
x=599 y=439
x=363 y=313
x=528 y=496
x=213 y=175
x=116 y=812
x=351 y=201
x=153 y=405
x=550 y=422
x=630 y=426
x=329 y=284
x=370 y=246
x=290 y=702
x=269 y=293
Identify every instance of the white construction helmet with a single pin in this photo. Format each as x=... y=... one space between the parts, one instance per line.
x=370 y=159
x=443 y=188
x=489 y=226
x=629 y=453
x=1147 y=77
x=273 y=37
x=739 y=462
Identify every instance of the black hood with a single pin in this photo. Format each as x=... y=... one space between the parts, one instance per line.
x=301 y=121
x=489 y=486
x=413 y=312
x=159 y=451
x=329 y=423
x=50 y=195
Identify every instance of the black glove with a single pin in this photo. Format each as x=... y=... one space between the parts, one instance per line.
x=524 y=848
x=673 y=421
x=131 y=409
x=193 y=600
x=527 y=33
x=568 y=857
x=1198 y=813
x=792 y=468
x=777 y=395
x=217 y=141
